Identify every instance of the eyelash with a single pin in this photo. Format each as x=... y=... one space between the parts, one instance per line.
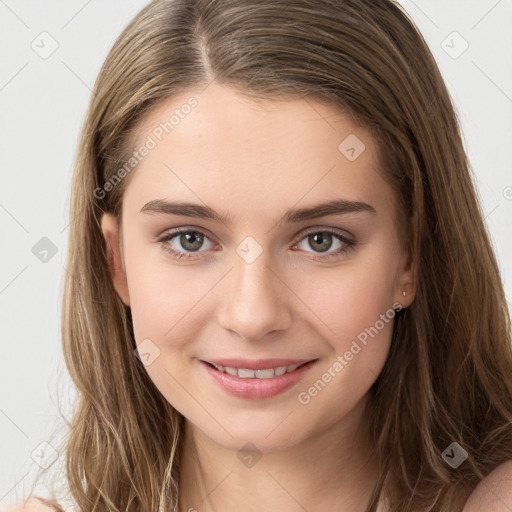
x=349 y=244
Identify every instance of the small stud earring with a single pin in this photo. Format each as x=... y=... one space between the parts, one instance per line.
x=404 y=293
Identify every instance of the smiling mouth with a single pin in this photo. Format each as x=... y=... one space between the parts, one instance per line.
x=265 y=373
x=261 y=383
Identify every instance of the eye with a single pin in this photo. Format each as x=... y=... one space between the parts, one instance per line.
x=323 y=240
x=187 y=240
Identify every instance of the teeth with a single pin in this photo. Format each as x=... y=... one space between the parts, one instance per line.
x=263 y=374
x=267 y=373
x=281 y=370
x=246 y=374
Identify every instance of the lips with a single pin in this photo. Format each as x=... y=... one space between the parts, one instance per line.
x=257 y=383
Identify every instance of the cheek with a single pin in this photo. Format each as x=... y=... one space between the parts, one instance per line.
x=347 y=300
x=167 y=304
x=352 y=309
x=168 y=308
x=164 y=298
x=357 y=323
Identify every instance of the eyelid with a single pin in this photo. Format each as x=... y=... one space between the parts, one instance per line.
x=302 y=233
x=318 y=229
x=343 y=236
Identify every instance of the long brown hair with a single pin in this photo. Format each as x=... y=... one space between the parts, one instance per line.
x=448 y=376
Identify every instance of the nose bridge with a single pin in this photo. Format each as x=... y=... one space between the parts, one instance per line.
x=256 y=299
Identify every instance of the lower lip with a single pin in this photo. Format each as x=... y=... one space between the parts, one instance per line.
x=257 y=388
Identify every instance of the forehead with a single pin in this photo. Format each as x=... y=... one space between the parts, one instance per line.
x=224 y=148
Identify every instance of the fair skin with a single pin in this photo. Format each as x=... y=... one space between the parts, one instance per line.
x=254 y=160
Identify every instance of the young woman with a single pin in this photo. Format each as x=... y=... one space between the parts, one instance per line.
x=280 y=291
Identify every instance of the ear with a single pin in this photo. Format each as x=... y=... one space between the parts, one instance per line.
x=406 y=280
x=110 y=230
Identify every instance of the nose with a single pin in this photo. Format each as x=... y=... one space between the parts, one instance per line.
x=255 y=299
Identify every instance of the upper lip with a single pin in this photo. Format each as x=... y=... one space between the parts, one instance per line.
x=256 y=364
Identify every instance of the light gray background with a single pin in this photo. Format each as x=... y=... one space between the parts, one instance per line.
x=43 y=103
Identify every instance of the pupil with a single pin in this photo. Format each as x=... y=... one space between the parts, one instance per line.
x=322 y=238
x=193 y=239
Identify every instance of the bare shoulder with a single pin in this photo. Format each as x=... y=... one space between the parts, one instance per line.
x=31 y=505
x=493 y=493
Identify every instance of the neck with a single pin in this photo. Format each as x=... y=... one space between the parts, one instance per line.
x=335 y=470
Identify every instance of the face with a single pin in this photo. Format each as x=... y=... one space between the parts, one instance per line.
x=267 y=275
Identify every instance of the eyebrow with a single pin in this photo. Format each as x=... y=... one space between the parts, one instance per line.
x=333 y=207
